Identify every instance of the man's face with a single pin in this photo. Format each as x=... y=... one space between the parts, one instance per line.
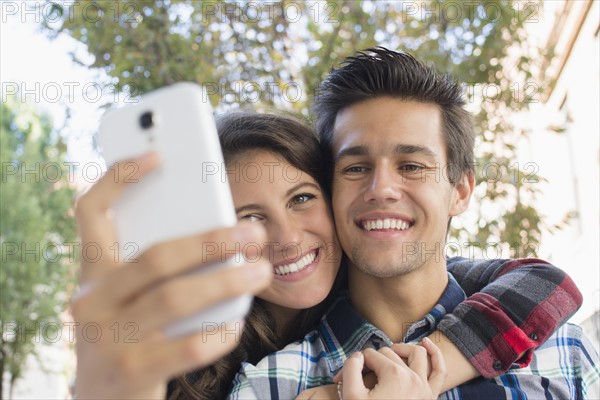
x=391 y=198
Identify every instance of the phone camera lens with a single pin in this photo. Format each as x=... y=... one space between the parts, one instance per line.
x=147 y=120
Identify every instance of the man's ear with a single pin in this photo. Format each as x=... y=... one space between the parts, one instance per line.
x=463 y=189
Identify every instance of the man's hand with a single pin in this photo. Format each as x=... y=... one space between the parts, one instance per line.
x=391 y=378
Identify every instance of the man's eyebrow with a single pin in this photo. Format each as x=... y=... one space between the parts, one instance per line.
x=398 y=149
x=412 y=149
x=352 y=151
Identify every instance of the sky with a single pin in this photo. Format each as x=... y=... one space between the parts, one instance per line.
x=43 y=72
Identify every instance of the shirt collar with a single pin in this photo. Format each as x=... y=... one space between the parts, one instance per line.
x=452 y=296
x=344 y=331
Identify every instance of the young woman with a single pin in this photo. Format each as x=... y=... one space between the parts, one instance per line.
x=273 y=164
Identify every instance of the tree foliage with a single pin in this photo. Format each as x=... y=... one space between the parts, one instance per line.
x=275 y=54
x=36 y=222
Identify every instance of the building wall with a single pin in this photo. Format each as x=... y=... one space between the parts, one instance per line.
x=570 y=160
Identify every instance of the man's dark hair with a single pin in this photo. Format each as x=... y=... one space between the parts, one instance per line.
x=379 y=72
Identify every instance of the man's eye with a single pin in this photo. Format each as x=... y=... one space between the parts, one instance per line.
x=301 y=198
x=355 y=169
x=411 y=167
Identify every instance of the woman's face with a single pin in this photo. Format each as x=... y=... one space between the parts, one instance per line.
x=301 y=240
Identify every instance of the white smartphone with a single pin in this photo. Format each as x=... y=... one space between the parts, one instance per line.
x=187 y=194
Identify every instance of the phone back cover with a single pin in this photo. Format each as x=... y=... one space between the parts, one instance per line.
x=188 y=193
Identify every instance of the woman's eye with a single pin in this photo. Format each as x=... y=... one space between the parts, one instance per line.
x=251 y=218
x=301 y=198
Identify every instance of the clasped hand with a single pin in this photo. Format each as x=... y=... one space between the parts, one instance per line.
x=397 y=372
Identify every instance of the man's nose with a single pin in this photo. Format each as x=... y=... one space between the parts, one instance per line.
x=384 y=185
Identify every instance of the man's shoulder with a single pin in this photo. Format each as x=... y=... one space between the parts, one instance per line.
x=569 y=335
x=567 y=361
x=568 y=346
x=564 y=366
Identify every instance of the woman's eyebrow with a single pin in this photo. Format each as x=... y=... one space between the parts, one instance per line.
x=248 y=207
x=300 y=185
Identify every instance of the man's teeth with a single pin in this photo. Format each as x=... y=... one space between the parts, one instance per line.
x=388 y=223
x=298 y=265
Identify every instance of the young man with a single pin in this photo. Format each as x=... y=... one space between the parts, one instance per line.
x=402 y=150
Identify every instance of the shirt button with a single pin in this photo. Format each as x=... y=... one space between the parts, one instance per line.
x=533 y=336
x=497 y=365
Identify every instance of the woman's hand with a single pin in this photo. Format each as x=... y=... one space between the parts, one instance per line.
x=121 y=308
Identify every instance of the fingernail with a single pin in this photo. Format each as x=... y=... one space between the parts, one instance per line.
x=248 y=232
x=356 y=354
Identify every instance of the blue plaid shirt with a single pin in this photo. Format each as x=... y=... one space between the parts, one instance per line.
x=564 y=367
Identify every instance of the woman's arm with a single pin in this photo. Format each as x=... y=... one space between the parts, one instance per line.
x=512 y=308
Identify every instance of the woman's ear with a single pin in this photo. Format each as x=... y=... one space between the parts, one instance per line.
x=463 y=189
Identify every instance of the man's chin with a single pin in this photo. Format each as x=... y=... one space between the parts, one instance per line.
x=385 y=267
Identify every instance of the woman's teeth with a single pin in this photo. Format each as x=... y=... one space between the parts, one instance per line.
x=296 y=266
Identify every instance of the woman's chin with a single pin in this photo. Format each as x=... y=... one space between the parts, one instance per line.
x=300 y=300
